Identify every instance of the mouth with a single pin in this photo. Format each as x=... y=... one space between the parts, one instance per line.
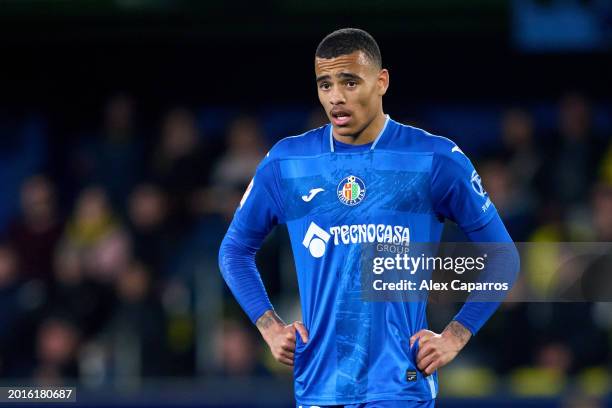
x=340 y=117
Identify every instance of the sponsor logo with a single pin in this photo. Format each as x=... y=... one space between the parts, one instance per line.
x=311 y=194
x=351 y=190
x=361 y=233
x=315 y=240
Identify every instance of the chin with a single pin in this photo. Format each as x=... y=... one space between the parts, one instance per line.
x=345 y=130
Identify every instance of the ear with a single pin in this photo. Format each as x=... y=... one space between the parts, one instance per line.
x=383 y=81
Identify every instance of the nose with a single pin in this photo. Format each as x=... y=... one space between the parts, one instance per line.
x=336 y=97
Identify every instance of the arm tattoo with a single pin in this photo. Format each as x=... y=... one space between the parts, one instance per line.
x=459 y=331
x=268 y=319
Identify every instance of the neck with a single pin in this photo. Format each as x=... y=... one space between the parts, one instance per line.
x=368 y=134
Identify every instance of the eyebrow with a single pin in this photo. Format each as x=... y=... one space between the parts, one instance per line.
x=342 y=75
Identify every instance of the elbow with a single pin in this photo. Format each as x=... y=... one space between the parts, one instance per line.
x=222 y=258
x=515 y=257
x=513 y=261
x=234 y=255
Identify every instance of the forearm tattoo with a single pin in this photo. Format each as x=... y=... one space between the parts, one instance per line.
x=459 y=331
x=267 y=320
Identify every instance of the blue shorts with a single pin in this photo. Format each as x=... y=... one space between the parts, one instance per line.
x=379 y=404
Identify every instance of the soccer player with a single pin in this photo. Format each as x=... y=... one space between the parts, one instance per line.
x=363 y=178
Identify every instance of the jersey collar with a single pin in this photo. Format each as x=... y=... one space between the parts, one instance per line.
x=331 y=135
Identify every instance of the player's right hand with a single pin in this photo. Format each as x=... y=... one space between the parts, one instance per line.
x=281 y=337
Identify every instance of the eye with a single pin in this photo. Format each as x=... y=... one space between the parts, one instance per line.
x=351 y=84
x=324 y=86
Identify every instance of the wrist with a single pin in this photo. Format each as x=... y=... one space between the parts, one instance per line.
x=269 y=323
x=457 y=333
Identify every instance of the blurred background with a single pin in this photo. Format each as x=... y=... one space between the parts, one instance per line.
x=129 y=130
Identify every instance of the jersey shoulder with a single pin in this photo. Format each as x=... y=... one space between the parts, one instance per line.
x=413 y=139
x=444 y=151
x=305 y=144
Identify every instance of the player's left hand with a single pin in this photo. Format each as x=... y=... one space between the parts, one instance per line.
x=436 y=350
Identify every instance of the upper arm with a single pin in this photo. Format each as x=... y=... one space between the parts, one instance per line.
x=260 y=209
x=457 y=190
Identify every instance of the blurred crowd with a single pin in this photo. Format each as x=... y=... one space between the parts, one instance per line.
x=108 y=255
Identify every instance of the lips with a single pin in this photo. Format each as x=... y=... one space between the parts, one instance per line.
x=340 y=117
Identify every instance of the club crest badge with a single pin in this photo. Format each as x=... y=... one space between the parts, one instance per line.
x=351 y=190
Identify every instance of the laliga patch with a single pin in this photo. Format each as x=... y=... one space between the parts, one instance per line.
x=351 y=190
x=477 y=184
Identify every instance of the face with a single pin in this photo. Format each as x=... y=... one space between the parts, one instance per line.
x=350 y=89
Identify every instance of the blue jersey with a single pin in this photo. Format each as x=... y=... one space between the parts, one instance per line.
x=334 y=199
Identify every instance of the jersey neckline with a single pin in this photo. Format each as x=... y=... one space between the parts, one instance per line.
x=374 y=143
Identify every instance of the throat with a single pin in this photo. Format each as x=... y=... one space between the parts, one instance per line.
x=367 y=135
x=357 y=139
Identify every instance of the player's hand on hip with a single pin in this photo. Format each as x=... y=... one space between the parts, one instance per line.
x=281 y=337
x=436 y=350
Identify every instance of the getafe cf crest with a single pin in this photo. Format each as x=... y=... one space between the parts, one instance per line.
x=351 y=190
